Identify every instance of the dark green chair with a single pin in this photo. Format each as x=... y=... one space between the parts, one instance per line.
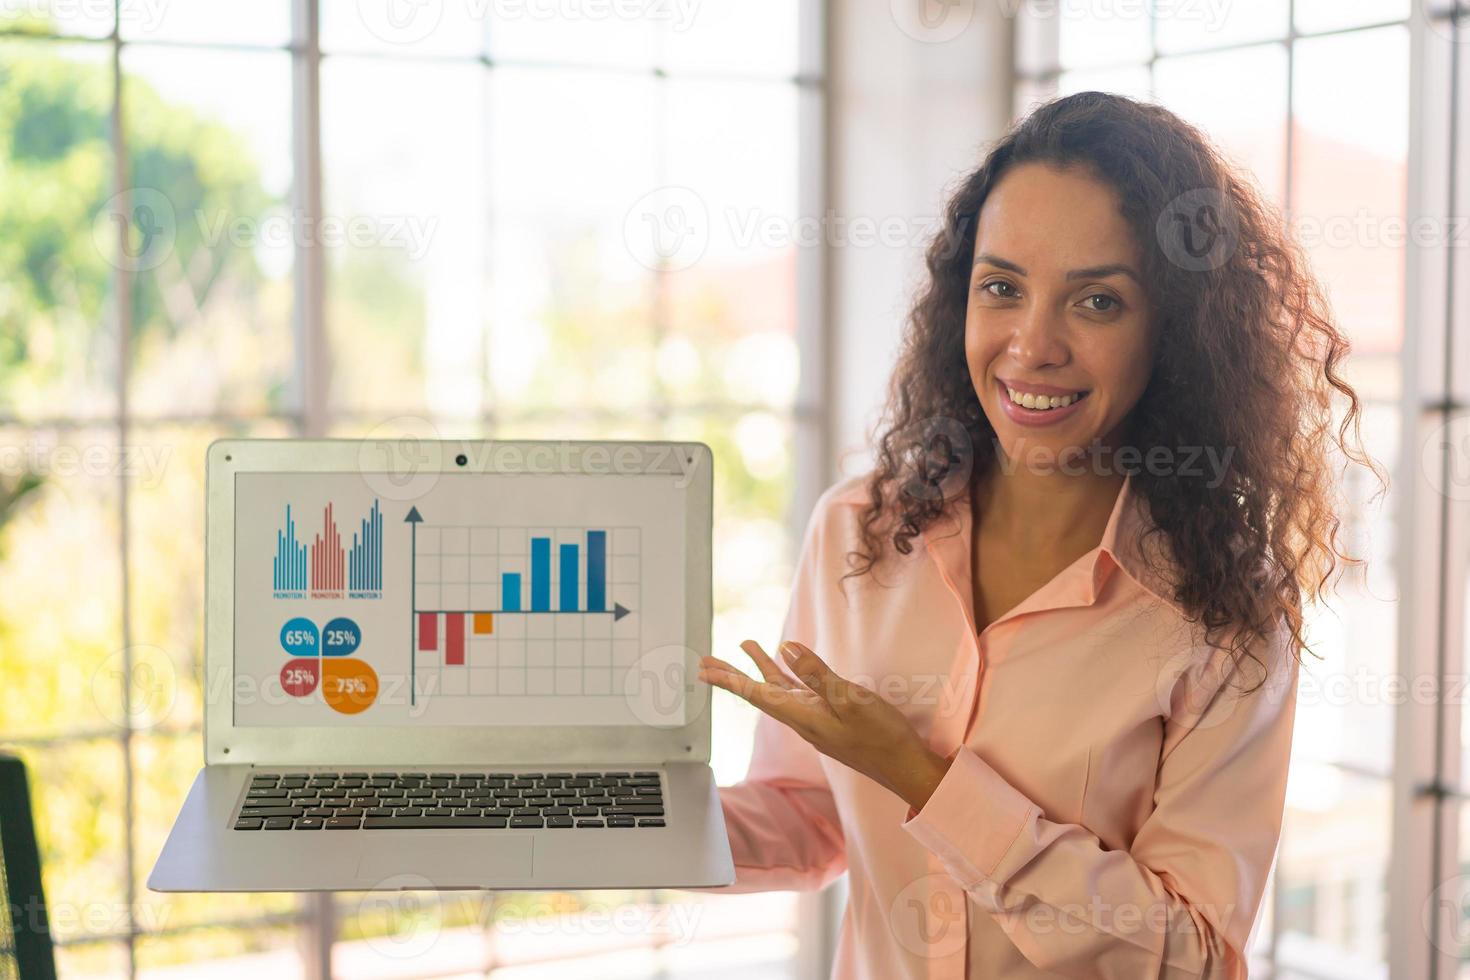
x=25 y=935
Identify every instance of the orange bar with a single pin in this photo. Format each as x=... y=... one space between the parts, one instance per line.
x=484 y=622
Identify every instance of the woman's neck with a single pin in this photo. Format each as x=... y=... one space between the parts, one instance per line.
x=1039 y=514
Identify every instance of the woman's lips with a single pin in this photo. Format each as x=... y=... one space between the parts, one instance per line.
x=1031 y=417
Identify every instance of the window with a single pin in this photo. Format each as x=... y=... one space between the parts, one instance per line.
x=291 y=218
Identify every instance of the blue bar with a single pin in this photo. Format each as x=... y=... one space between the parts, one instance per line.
x=510 y=592
x=596 y=570
x=540 y=575
x=568 y=578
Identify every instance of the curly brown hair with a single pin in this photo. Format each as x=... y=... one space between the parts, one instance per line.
x=1247 y=342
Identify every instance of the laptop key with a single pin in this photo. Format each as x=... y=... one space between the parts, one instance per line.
x=617 y=821
x=309 y=823
x=249 y=823
x=526 y=821
x=559 y=821
x=590 y=823
x=272 y=811
x=278 y=823
x=321 y=812
x=343 y=823
x=651 y=822
x=431 y=823
x=633 y=811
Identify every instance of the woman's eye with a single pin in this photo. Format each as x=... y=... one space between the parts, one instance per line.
x=1104 y=297
x=989 y=287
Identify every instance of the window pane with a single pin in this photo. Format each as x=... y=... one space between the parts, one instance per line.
x=584 y=34
x=745 y=36
x=260 y=22
x=572 y=321
x=64 y=17
x=1246 y=118
x=434 y=29
x=1192 y=26
x=77 y=802
x=1328 y=15
x=1132 y=82
x=57 y=341
x=730 y=318
x=1347 y=700
x=207 y=954
x=61 y=530
x=1101 y=32
x=1331 y=874
x=209 y=141
x=404 y=164
x=1348 y=182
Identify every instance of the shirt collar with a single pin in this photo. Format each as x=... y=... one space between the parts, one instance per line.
x=1125 y=545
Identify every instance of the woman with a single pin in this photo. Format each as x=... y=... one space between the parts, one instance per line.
x=1040 y=665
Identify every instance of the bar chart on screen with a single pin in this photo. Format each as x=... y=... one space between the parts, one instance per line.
x=329 y=567
x=523 y=611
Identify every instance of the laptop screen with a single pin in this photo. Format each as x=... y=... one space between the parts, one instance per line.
x=459 y=599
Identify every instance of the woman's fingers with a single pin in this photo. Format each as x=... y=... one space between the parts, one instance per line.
x=768 y=667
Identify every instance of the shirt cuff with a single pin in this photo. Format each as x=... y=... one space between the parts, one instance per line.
x=973 y=816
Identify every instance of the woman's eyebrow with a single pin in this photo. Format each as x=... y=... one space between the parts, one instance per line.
x=1091 y=272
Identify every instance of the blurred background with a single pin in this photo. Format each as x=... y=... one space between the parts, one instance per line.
x=695 y=219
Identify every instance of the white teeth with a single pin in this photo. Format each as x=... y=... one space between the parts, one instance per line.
x=1042 y=402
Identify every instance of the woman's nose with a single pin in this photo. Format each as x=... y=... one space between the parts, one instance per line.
x=1039 y=339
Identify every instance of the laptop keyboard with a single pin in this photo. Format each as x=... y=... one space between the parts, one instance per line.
x=436 y=800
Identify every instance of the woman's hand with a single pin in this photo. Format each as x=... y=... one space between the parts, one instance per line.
x=840 y=718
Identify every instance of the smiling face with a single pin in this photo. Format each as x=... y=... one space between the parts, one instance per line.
x=1057 y=317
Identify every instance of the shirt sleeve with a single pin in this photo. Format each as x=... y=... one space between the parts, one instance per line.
x=784 y=829
x=1182 y=901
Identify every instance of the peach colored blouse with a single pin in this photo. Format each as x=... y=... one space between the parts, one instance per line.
x=1113 y=806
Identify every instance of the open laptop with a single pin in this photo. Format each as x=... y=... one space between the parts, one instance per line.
x=435 y=664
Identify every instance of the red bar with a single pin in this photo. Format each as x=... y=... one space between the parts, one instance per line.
x=428 y=631
x=454 y=639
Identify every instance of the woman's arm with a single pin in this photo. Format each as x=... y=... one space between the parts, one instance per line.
x=1182 y=901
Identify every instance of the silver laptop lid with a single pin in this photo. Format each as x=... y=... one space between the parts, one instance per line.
x=456 y=602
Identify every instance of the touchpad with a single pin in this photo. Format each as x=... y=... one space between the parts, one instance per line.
x=429 y=860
